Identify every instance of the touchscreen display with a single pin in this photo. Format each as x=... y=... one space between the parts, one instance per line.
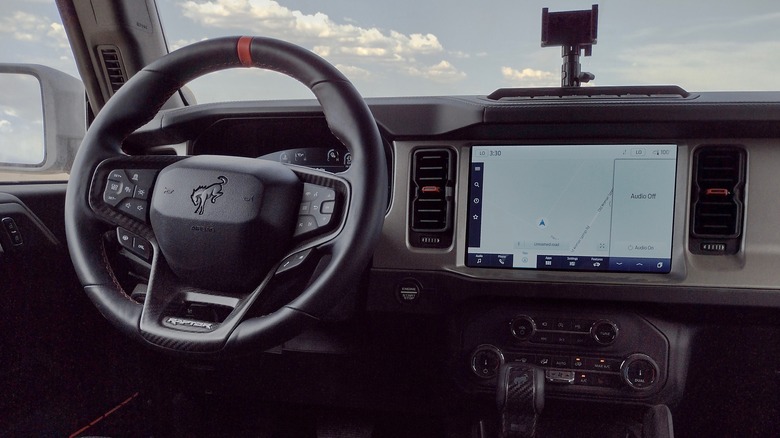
x=572 y=207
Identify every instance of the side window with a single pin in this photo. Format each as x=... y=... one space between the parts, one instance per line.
x=42 y=107
x=21 y=122
x=42 y=122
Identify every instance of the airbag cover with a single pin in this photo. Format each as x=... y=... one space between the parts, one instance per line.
x=222 y=222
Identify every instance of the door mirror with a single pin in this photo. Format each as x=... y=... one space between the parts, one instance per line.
x=42 y=118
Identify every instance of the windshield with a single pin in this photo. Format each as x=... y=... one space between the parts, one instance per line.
x=424 y=47
x=419 y=47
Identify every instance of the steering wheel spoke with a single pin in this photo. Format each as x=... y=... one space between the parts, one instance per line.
x=121 y=190
x=325 y=202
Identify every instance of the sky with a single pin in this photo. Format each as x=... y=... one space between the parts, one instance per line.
x=425 y=47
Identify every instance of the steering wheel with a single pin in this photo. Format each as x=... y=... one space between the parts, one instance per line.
x=218 y=231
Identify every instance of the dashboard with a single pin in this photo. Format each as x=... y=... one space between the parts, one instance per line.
x=550 y=230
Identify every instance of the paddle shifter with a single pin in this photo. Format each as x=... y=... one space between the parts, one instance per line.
x=520 y=398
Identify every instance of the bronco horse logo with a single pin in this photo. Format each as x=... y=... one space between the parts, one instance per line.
x=203 y=194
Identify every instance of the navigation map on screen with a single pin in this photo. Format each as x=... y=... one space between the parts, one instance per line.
x=573 y=207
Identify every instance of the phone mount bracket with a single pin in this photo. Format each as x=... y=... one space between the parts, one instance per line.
x=575 y=32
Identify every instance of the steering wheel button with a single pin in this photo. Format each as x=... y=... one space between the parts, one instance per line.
x=305 y=208
x=293 y=261
x=112 y=199
x=117 y=175
x=142 y=177
x=311 y=192
x=135 y=208
x=328 y=207
x=114 y=187
x=125 y=238
x=305 y=224
x=141 y=193
x=142 y=248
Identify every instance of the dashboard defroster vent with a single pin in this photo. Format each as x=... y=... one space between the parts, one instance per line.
x=113 y=67
x=717 y=199
x=431 y=198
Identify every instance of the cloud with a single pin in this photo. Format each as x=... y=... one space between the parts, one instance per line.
x=23 y=26
x=345 y=43
x=700 y=66
x=267 y=17
x=5 y=126
x=354 y=72
x=530 y=77
x=441 y=72
x=37 y=34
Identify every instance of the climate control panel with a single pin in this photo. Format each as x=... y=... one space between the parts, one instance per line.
x=583 y=354
x=637 y=371
x=563 y=331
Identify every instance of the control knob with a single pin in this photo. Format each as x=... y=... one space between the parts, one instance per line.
x=522 y=327
x=604 y=332
x=639 y=371
x=486 y=361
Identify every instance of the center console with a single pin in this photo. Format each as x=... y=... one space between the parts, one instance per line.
x=584 y=354
x=622 y=367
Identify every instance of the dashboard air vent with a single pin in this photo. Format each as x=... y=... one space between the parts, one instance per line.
x=717 y=199
x=431 y=197
x=112 y=67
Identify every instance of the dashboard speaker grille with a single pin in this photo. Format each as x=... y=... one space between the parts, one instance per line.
x=717 y=208
x=431 y=196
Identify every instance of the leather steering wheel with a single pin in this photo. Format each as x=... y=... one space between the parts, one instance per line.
x=217 y=230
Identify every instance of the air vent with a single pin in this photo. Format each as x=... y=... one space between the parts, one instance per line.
x=113 y=67
x=431 y=196
x=717 y=199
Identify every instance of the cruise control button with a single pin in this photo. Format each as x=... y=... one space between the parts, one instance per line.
x=135 y=244
x=117 y=175
x=125 y=238
x=112 y=199
x=114 y=187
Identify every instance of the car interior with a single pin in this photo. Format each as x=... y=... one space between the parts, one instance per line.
x=573 y=261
